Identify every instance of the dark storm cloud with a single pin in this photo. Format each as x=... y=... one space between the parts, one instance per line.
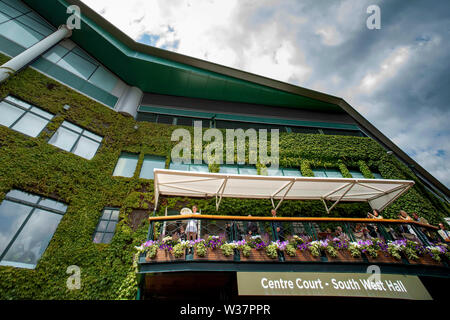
x=409 y=100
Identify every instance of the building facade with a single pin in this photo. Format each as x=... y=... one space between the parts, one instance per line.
x=87 y=115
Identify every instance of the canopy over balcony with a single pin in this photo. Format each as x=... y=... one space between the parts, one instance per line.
x=379 y=193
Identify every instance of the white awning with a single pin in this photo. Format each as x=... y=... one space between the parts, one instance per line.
x=379 y=193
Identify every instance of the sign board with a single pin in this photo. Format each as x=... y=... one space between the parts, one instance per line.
x=394 y=286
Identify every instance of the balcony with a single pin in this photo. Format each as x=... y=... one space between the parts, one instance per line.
x=245 y=243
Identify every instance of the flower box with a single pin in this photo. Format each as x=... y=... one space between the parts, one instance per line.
x=382 y=257
x=301 y=255
x=165 y=256
x=257 y=256
x=343 y=256
x=213 y=255
x=426 y=260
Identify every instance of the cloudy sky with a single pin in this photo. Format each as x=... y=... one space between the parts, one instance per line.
x=397 y=77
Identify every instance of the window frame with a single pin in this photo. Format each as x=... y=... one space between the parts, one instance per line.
x=34 y=207
x=80 y=135
x=26 y=111
x=106 y=227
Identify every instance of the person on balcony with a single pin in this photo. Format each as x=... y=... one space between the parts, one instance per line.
x=341 y=235
x=443 y=233
x=191 y=228
x=277 y=226
x=374 y=215
x=252 y=228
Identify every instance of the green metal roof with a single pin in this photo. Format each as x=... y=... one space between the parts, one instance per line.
x=160 y=71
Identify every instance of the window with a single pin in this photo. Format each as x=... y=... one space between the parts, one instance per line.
x=27 y=224
x=377 y=175
x=76 y=140
x=23 y=117
x=291 y=172
x=356 y=174
x=106 y=226
x=150 y=163
x=126 y=165
x=327 y=173
x=201 y=167
x=238 y=169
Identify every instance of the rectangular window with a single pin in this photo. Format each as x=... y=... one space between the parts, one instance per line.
x=377 y=175
x=76 y=140
x=23 y=117
x=126 y=165
x=291 y=172
x=248 y=170
x=150 y=163
x=228 y=169
x=27 y=224
x=106 y=226
x=327 y=173
x=201 y=167
x=356 y=174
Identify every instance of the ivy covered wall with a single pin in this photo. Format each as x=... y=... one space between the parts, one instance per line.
x=87 y=186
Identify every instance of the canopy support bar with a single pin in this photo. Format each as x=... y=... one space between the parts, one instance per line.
x=221 y=190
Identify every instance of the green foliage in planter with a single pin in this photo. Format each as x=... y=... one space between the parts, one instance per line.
x=332 y=251
x=87 y=186
x=271 y=251
x=200 y=248
x=290 y=250
x=178 y=250
x=354 y=250
x=246 y=250
x=227 y=249
x=151 y=252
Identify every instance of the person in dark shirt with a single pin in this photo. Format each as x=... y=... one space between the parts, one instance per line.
x=277 y=225
x=252 y=227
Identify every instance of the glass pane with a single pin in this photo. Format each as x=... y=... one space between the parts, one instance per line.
x=4 y=18
x=42 y=113
x=52 y=204
x=107 y=237
x=92 y=136
x=98 y=237
x=17 y=194
x=106 y=214
x=30 y=124
x=333 y=173
x=115 y=215
x=55 y=54
x=33 y=239
x=9 y=114
x=162 y=118
x=18 y=102
x=126 y=165
x=8 y=10
x=36 y=26
x=19 y=33
x=104 y=79
x=292 y=172
x=199 y=168
x=248 y=170
x=77 y=65
x=72 y=126
x=228 y=169
x=64 y=139
x=377 y=175
x=356 y=174
x=319 y=173
x=102 y=225
x=179 y=166
x=86 y=148
x=111 y=227
x=18 y=5
x=12 y=215
x=274 y=172
x=149 y=164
